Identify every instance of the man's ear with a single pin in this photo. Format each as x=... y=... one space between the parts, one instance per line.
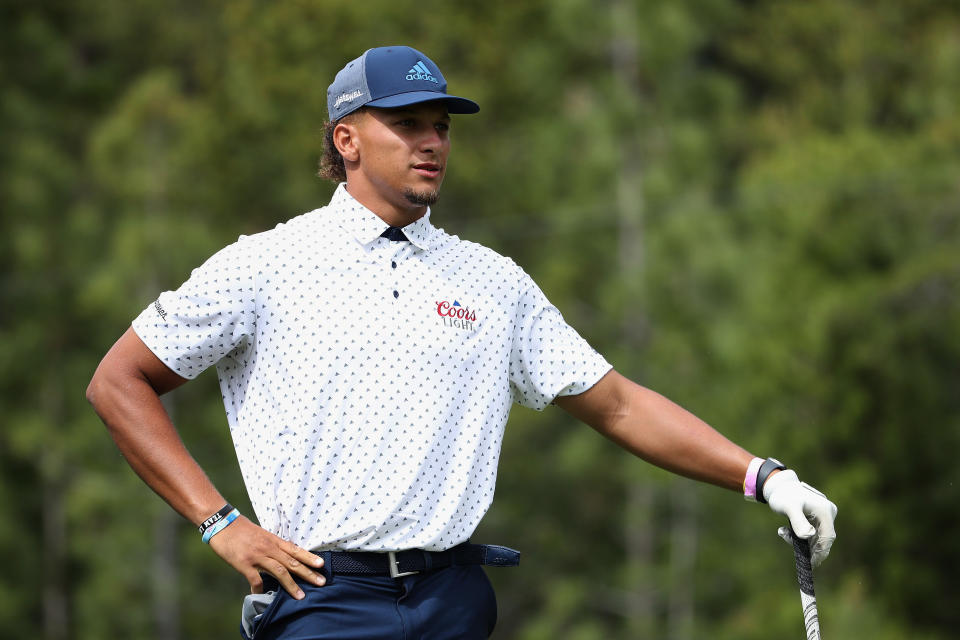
x=346 y=141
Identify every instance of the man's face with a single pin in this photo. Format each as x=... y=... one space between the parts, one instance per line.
x=402 y=155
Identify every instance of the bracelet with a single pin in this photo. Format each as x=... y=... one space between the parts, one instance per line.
x=769 y=466
x=220 y=525
x=750 y=480
x=215 y=518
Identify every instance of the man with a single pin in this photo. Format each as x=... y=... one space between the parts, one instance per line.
x=368 y=361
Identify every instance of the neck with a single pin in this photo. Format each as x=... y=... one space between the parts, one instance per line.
x=395 y=214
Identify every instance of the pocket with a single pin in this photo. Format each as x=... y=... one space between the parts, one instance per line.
x=256 y=611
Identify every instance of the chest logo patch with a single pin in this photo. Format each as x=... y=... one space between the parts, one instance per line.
x=456 y=315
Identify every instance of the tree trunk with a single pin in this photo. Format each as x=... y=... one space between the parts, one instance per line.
x=56 y=599
x=166 y=568
x=166 y=575
x=683 y=550
x=56 y=621
x=638 y=518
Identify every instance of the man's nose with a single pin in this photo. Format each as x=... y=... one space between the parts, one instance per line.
x=431 y=141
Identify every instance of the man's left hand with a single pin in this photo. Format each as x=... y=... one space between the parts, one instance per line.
x=810 y=513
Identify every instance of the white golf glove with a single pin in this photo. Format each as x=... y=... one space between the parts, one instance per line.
x=810 y=513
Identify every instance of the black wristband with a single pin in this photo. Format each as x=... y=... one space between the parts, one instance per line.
x=215 y=518
x=769 y=466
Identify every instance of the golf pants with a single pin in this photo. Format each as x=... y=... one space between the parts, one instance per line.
x=452 y=603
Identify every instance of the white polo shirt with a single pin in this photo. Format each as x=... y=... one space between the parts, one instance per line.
x=367 y=382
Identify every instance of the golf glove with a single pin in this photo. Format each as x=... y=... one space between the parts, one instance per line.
x=810 y=513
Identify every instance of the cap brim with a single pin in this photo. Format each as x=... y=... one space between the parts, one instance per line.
x=455 y=104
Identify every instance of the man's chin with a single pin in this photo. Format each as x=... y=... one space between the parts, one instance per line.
x=422 y=198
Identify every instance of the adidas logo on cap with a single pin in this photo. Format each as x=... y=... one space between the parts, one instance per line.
x=420 y=72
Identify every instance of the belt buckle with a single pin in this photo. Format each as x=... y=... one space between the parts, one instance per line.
x=394 y=570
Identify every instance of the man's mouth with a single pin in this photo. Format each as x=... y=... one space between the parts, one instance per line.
x=428 y=169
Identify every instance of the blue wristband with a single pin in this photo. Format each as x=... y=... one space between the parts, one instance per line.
x=220 y=525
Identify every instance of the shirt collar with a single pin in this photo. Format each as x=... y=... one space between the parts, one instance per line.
x=366 y=226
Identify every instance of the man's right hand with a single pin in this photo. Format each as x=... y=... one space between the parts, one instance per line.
x=251 y=549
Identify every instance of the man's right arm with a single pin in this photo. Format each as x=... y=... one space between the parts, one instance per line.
x=125 y=392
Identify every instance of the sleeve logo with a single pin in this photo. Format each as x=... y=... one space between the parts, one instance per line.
x=159 y=308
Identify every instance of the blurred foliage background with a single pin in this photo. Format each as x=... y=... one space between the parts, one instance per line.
x=752 y=207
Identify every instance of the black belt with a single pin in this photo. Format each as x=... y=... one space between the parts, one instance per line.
x=403 y=563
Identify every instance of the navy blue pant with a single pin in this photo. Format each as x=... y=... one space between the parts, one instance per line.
x=455 y=602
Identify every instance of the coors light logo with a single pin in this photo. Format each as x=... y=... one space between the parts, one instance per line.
x=457 y=316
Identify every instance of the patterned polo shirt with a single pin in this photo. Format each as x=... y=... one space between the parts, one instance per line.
x=366 y=382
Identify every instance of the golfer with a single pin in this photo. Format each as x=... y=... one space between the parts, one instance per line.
x=368 y=361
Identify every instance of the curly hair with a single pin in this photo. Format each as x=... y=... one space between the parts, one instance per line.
x=331 y=162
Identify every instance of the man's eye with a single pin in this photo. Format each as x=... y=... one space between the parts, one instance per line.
x=443 y=126
x=405 y=123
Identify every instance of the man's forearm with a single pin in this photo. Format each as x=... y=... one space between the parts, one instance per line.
x=659 y=431
x=140 y=426
x=125 y=391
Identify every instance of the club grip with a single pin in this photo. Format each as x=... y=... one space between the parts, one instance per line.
x=801 y=553
x=811 y=619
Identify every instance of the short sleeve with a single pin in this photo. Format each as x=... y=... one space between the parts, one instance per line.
x=208 y=317
x=549 y=358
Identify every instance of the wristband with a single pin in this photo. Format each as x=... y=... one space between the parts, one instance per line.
x=215 y=518
x=750 y=480
x=769 y=466
x=220 y=525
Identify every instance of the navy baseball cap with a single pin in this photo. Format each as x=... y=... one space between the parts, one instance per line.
x=390 y=77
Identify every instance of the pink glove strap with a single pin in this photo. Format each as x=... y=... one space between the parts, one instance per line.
x=750 y=480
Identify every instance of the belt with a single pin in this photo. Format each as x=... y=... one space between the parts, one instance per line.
x=404 y=563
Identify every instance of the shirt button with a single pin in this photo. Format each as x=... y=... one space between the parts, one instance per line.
x=393 y=264
x=396 y=294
